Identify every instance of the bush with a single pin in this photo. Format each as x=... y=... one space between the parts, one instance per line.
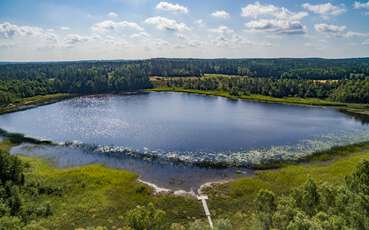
x=318 y=207
x=10 y=222
x=143 y=218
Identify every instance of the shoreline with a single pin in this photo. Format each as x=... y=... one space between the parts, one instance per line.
x=33 y=102
x=359 y=109
x=319 y=156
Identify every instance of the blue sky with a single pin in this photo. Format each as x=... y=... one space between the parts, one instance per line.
x=41 y=30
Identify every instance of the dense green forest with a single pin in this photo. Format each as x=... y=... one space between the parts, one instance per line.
x=355 y=91
x=19 y=81
x=283 y=77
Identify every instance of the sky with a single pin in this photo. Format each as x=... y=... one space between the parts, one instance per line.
x=54 y=30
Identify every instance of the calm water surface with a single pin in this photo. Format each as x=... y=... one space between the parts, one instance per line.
x=148 y=132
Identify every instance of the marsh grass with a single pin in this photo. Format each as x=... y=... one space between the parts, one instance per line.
x=98 y=196
x=95 y=195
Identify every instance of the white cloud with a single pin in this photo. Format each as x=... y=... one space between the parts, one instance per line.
x=276 y=26
x=172 y=7
x=257 y=10
x=140 y=35
x=330 y=29
x=359 y=5
x=110 y=26
x=221 y=30
x=200 y=23
x=74 y=39
x=64 y=28
x=366 y=42
x=113 y=15
x=9 y=31
x=220 y=14
x=194 y=43
x=163 y=23
x=338 y=31
x=350 y=34
x=325 y=10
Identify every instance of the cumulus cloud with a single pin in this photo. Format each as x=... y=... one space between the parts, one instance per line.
x=74 y=39
x=276 y=26
x=113 y=15
x=338 y=31
x=140 y=35
x=167 y=6
x=163 y=23
x=329 y=28
x=359 y=5
x=324 y=10
x=64 y=28
x=112 y=26
x=257 y=10
x=221 y=30
x=221 y=14
x=200 y=23
x=9 y=31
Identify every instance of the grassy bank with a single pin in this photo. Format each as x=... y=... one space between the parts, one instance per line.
x=98 y=196
x=354 y=108
x=28 y=102
x=235 y=199
x=95 y=195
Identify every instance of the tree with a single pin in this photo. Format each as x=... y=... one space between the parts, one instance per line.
x=310 y=197
x=359 y=181
x=265 y=207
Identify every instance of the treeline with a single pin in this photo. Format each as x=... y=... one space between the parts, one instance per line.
x=31 y=79
x=353 y=91
x=18 y=80
x=291 y=68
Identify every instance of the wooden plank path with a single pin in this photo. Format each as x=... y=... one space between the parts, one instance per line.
x=203 y=199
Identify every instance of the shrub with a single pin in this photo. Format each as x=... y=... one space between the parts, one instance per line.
x=143 y=218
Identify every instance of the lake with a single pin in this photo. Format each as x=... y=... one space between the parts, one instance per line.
x=163 y=136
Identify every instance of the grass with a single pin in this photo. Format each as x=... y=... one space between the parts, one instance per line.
x=98 y=196
x=27 y=102
x=235 y=199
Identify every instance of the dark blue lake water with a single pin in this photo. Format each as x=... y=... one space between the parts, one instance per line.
x=174 y=127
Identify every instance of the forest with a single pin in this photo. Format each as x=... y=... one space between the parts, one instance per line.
x=351 y=91
x=344 y=79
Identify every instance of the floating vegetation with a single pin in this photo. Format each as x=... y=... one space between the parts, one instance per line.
x=267 y=157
